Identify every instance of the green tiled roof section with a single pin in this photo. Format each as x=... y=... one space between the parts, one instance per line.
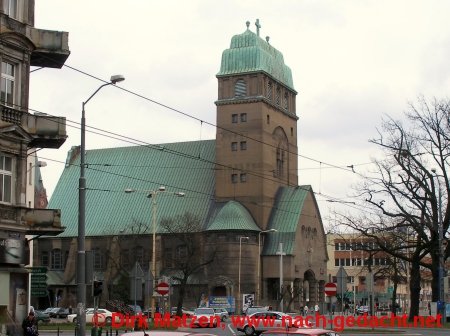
x=285 y=218
x=232 y=216
x=250 y=53
x=109 y=210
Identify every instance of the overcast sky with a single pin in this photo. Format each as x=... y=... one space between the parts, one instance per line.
x=353 y=62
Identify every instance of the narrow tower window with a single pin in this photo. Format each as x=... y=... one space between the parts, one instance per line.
x=240 y=88
x=286 y=101
x=269 y=90
x=277 y=96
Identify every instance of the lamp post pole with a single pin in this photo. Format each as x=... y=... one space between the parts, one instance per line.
x=239 y=274
x=281 y=254
x=258 y=284
x=153 y=195
x=81 y=250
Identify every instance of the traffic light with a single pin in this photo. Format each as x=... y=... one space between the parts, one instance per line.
x=97 y=288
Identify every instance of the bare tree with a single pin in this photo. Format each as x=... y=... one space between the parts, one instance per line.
x=402 y=193
x=185 y=232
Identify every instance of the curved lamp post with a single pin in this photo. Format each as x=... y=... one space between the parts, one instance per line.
x=81 y=262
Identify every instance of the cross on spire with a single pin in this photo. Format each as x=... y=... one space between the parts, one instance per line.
x=258 y=26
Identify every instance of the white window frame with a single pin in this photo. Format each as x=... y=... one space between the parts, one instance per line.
x=8 y=78
x=11 y=8
x=6 y=172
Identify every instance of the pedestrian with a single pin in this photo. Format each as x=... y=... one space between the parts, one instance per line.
x=306 y=309
x=30 y=325
x=316 y=309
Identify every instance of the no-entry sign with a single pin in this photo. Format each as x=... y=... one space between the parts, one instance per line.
x=162 y=288
x=330 y=289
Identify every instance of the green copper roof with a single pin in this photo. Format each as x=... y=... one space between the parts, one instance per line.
x=250 y=53
x=285 y=218
x=185 y=166
x=233 y=216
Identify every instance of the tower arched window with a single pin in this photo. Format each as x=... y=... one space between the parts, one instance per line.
x=269 y=90
x=240 y=88
x=280 y=162
x=286 y=101
x=277 y=95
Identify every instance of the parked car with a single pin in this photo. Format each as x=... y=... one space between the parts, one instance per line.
x=207 y=316
x=257 y=328
x=103 y=315
x=223 y=313
x=41 y=316
x=255 y=309
x=363 y=310
x=300 y=332
x=184 y=311
x=47 y=311
x=59 y=313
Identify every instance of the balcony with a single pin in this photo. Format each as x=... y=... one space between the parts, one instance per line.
x=52 y=47
x=31 y=221
x=44 y=130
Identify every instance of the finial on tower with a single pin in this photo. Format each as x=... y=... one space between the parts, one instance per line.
x=267 y=39
x=258 y=26
x=247 y=24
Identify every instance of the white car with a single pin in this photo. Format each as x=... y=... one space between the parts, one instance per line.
x=205 y=317
x=279 y=319
x=103 y=316
x=223 y=313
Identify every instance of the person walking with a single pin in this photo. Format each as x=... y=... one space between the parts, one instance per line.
x=316 y=309
x=306 y=310
x=30 y=325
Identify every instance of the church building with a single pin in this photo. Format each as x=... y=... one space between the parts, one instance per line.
x=243 y=223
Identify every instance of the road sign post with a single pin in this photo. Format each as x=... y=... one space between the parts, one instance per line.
x=162 y=288
x=330 y=291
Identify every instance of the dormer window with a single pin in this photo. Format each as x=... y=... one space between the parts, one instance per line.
x=240 y=88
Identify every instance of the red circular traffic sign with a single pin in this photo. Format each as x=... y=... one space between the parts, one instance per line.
x=162 y=288
x=330 y=289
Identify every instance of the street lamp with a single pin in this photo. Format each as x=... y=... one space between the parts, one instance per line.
x=258 y=284
x=153 y=195
x=81 y=262
x=440 y=228
x=239 y=273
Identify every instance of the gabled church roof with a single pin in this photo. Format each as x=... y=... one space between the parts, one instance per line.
x=250 y=53
x=184 y=166
x=285 y=218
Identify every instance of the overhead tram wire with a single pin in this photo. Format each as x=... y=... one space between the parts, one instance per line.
x=203 y=121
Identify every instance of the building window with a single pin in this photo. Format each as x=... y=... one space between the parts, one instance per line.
x=292 y=131
x=336 y=262
x=125 y=259
x=182 y=252
x=56 y=259
x=243 y=117
x=10 y=8
x=243 y=145
x=243 y=177
x=7 y=84
x=234 y=178
x=234 y=146
x=268 y=119
x=286 y=101
x=280 y=163
x=44 y=258
x=234 y=118
x=98 y=259
x=277 y=95
x=350 y=279
x=5 y=178
x=139 y=255
x=269 y=90
x=240 y=88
